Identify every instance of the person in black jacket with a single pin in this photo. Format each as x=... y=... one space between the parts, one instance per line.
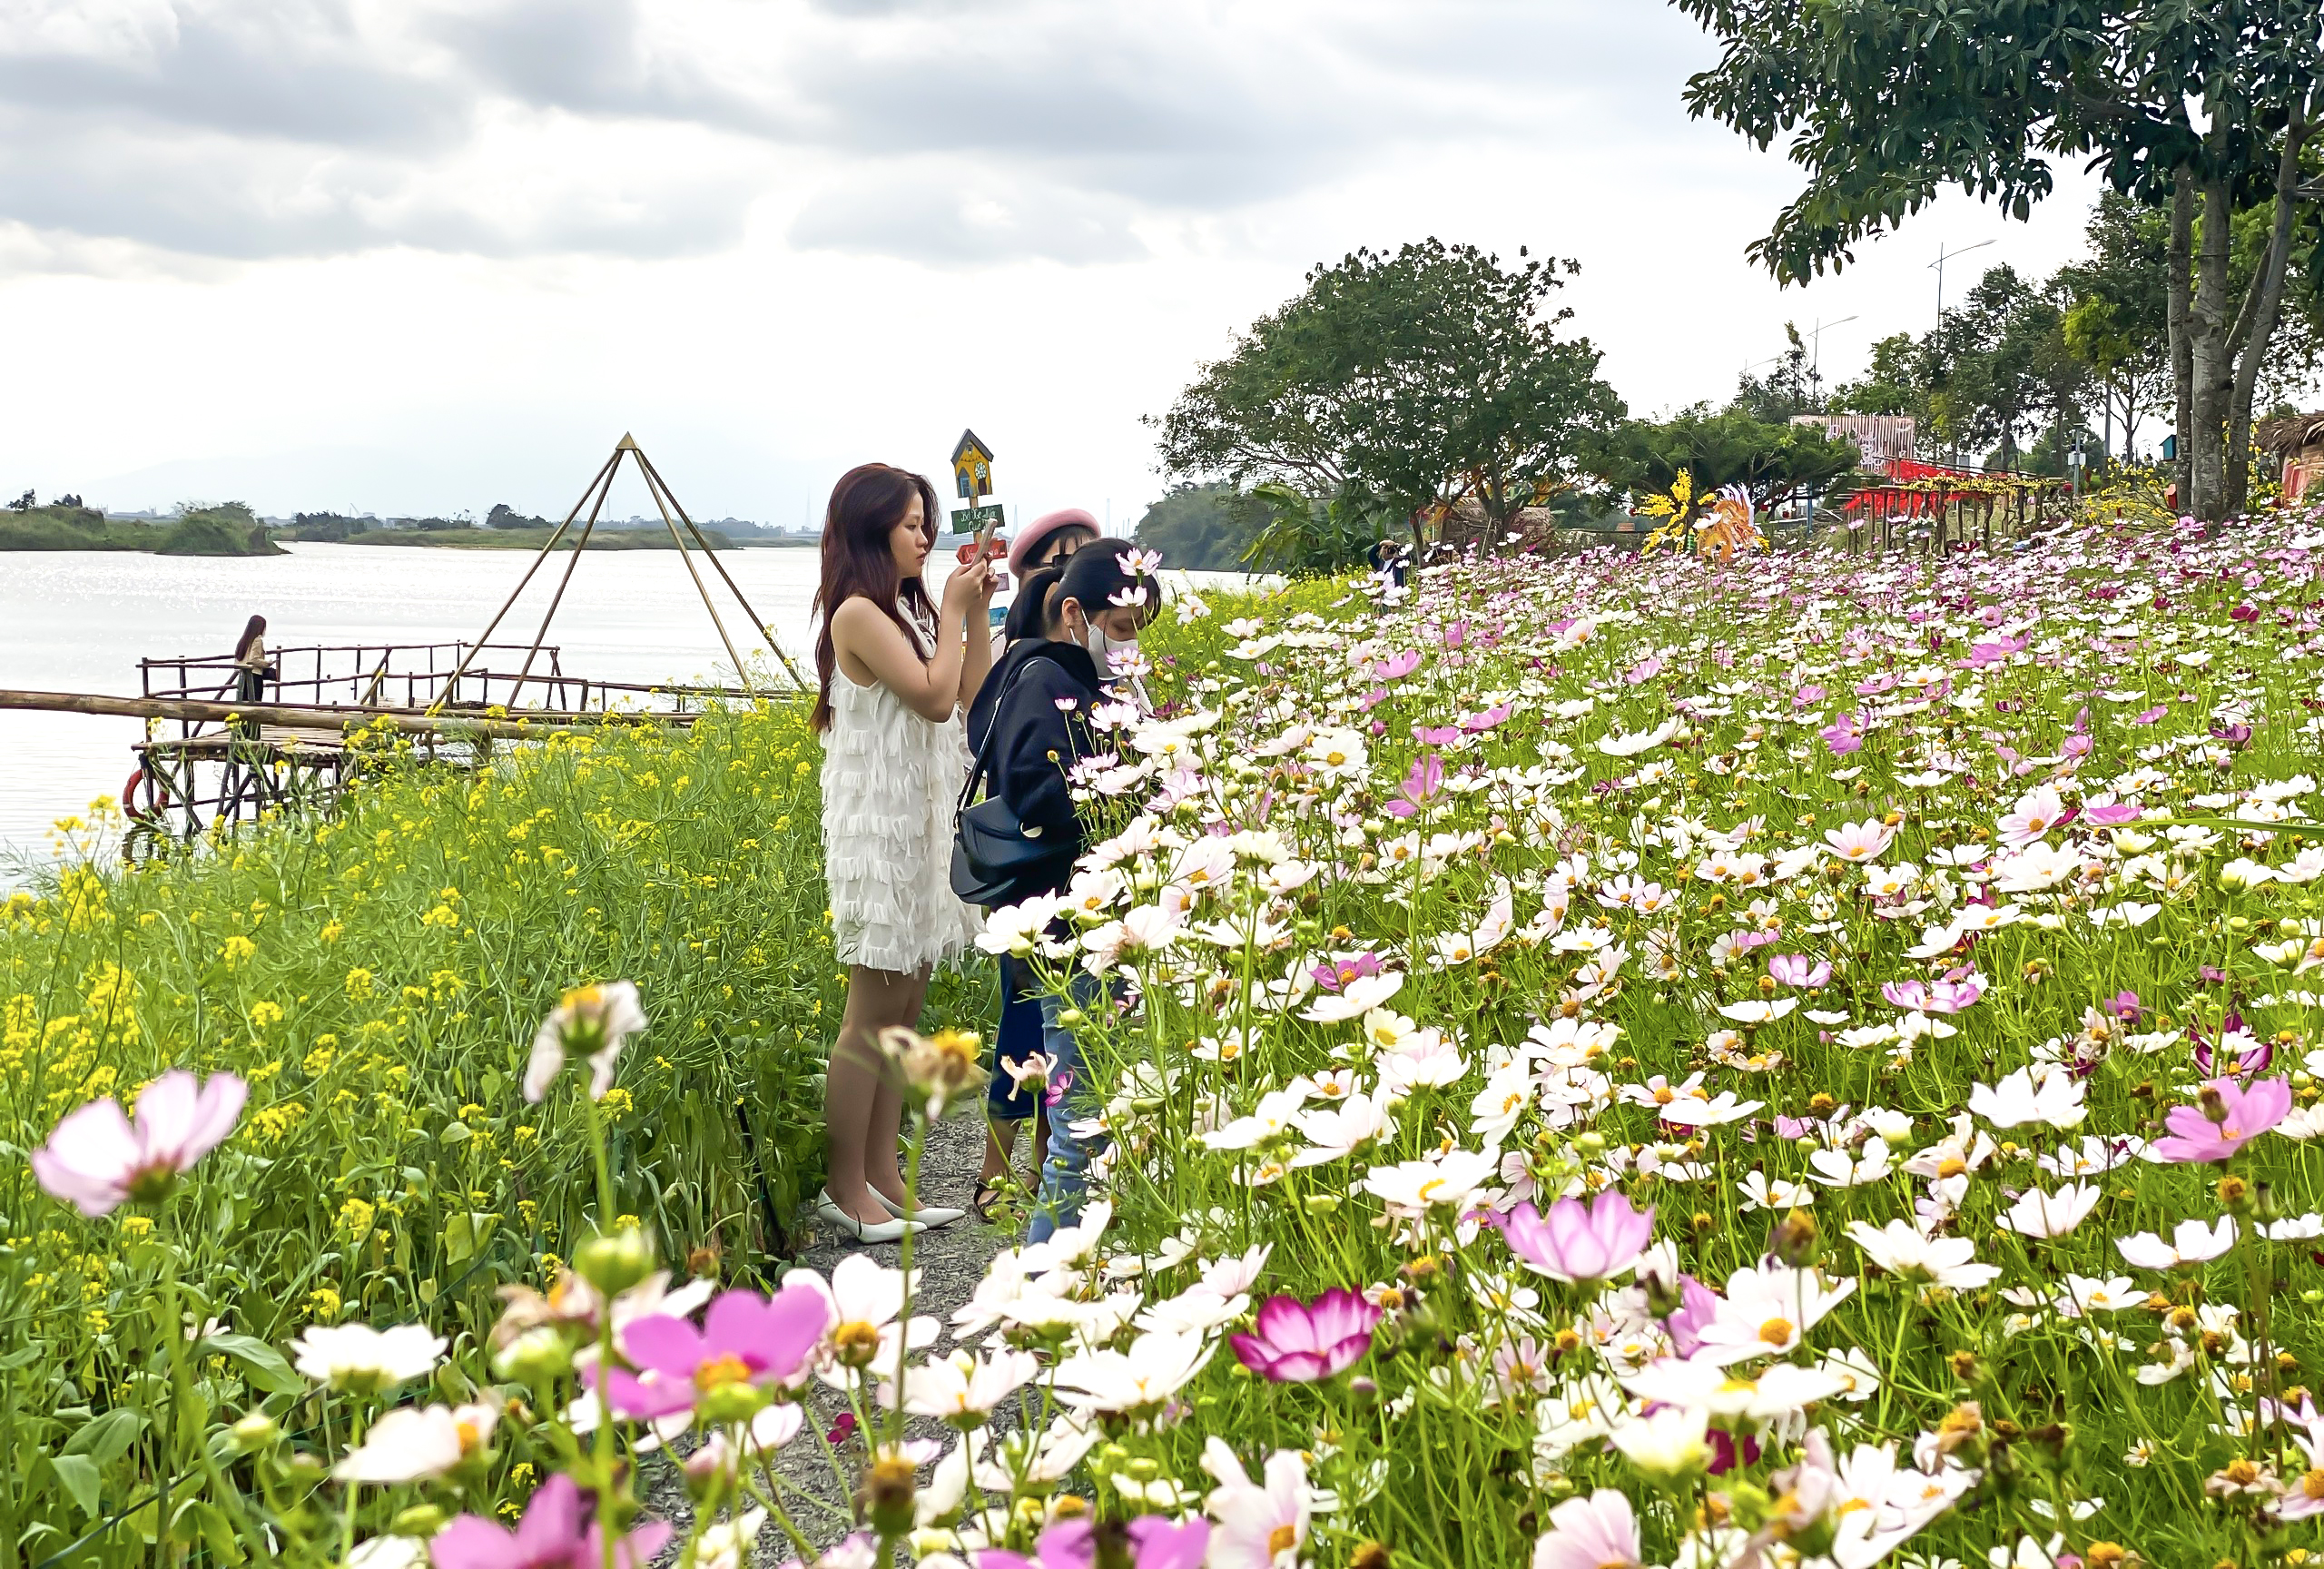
x=1007 y=1101
x=1036 y=706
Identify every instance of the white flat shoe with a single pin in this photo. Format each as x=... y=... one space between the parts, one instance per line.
x=931 y=1216
x=861 y=1230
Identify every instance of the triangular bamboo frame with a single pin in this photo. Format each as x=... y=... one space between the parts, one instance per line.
x=593 y=498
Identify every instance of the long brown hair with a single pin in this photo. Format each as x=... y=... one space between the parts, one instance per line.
x=250 y=635
x=866 y=505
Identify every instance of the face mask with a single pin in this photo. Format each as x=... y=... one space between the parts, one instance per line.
x=1102 y=649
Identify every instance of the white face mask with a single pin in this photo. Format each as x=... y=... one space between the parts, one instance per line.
x=1102 y=648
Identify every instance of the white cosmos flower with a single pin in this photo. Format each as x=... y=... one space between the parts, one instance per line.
x=1357 y=998
x=2045 y=1215
x=2038 y=865
x=358 y=1357
x=601 y=1017
x=1846 y=1169
x=1903 y=1252
x=1157 y=1366
x=1759 y=1009
x=1700 y=1383
x=2054 y=1098
x=1669 y=1443
x=1259 y=1526
x=1422 y=1060
x=2192 y=1242
x=1689 y=1112
x=1413 y=1187
x=1767 y=1310
x=1616 y=743
x=2083 y=1293
x=1334 y=1132
x=413 y=1443
x=963 y=1388
x=1859 y=841
x=1761 y=1192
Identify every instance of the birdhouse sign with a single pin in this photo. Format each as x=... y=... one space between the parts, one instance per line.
x=972 y=468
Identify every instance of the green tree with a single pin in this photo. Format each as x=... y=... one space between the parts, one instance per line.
x=1205 y=527
x=2203 y=109
x=1891 y=384
x=504 y=516
x=1998 y=369
x=2117 y=320
x=1792 y=387
x=1776 y=462
x=1395 y=381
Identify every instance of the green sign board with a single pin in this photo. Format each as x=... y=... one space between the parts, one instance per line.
x=969 y=519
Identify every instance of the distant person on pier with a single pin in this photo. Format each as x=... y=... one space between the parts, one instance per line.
x=896 y=670
x=1039 y=727
x=251 y=666
x=251 y=670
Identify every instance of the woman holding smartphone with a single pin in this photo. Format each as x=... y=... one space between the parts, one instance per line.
x=896 y=670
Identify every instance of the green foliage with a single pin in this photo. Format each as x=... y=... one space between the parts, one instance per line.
x=504 y=516
x=1891 y=384
x=1306 y=538
x=1999 y=369
x=229 y=528
x=1204 y=528
x=327 y=526
x=377 y=976
x=1776 y=462
x=1400 y=380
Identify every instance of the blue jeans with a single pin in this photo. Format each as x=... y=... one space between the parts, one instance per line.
x=1065 y=1166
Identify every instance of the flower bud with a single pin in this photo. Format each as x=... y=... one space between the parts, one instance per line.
x=1796 y=1240
x=256 y=1432
x=710 y=1470
x=888 y=1488
x=2213 y=1103
x=419 y=1520
x=535 y=1357
x=613 y=1261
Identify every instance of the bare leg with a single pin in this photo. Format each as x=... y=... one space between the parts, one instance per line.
x=999 y=1151
x=862 y=1130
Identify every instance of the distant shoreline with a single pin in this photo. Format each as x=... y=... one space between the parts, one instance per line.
x=528 y=539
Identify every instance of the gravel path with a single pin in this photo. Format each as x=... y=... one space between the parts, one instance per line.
x=950 y=1260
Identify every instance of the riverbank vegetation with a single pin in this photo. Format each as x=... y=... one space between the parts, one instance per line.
x=228 y=528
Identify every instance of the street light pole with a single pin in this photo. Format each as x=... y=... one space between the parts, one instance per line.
x=1939 y=265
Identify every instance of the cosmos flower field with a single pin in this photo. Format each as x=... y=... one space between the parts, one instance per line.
x=1604 y=1060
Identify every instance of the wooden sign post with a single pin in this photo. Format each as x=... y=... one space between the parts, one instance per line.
x=972 y=478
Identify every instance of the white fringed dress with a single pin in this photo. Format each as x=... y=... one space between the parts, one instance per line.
x=891 y=784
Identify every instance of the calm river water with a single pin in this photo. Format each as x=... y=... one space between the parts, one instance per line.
x=80 y=622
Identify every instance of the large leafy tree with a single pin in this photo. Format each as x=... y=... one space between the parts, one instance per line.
x=2196 y=108
x=1395 y=381
x=2118 y=313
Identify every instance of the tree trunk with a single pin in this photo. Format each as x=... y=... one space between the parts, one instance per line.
x=2214 y=364
x=2258 y=324
x=2180 y=304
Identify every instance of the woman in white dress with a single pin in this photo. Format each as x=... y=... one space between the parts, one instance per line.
x=897 y=671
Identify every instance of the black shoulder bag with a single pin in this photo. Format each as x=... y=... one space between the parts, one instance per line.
x=994 y=855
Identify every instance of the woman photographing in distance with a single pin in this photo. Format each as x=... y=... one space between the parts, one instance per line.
x=896 y=668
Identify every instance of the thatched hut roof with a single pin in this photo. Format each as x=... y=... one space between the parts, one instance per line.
x=2288 y=435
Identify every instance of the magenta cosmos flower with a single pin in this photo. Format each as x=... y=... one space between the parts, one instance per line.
x=2244 y=1115
x=1155 y=1544
x=744 y=1338
x=97 y=1158
x=1298 y=1343
x=550 y=1536
x=1578 y=1241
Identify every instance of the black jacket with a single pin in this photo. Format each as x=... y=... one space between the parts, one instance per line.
x=1043 y=730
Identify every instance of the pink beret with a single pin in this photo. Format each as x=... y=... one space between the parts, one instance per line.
x=1029 y=537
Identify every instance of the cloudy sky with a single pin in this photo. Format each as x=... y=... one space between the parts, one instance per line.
x=422 y=255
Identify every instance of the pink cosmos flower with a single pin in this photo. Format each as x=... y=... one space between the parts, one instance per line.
x=1299 y=1343
x=1577 y=1242
x=1420 y=785
x=2114 y=814
x=1332 y=977
x=1843 y=735
x=550 y=1536
x=1436 y=735
x=2150 y=716
x=2241 y=1116
x=1944 y=997
x=2248 y=1054
x=744 y=1338
x=1397 y=665
x=1155 y=1544
x=1477 y=724
x=1599 y=1531
x=95 y=1158
x=1797 y=969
